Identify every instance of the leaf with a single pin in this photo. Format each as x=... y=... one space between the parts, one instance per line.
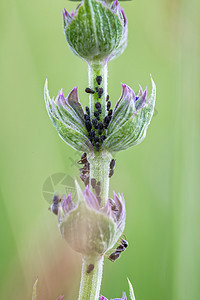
x=131 y=290
x=34 y=294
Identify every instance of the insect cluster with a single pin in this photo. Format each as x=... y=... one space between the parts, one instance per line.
x=94 y=124
x=85 y=173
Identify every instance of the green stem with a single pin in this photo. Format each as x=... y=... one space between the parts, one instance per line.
x=99 y=161
x=91 y=282
x=98 y=69
x=99 y=169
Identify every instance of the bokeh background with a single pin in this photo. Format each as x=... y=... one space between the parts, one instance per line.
x=159 y=178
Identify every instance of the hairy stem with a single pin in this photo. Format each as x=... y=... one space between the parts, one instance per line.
x=99 y=169
x=91 y=282
x=98 y=69
x=99 y=161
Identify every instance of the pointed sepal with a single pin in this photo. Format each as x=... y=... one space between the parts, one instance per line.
x=131 y=118
x=67 y=116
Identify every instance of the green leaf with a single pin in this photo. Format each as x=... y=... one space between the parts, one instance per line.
x=131 y=290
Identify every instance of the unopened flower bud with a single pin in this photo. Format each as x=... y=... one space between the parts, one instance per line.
x=96 y=30
x=89 y=228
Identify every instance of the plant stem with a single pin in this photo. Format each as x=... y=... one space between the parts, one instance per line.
x=99 y=169
x=91 y=282
x=99 y=161
x=95 y=69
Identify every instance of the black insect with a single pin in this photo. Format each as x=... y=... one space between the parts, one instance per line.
x=111 y=173
x=97 y=146
x=100 y=131
x=95 y=123
x=89 y=91
x=87 y=110
x=121 y=248
x=100 y=92
x=99 y=80
x=93 y=182
x=88 y=125
x=96 y=114
x=100 y=125
x=97 y=190
x=86 y=117
x=96 y=139
x=110 y=112
x=97 y=105
x=102 y=138
x=54 y=207
x=108 y=105
x=112 y=164
x=107 y=97
x=83 y=159
x=90 y=268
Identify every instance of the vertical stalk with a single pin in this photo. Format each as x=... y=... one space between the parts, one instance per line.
x=91 y=282
x=99 y=169
x=99 y=162
x=95 y=69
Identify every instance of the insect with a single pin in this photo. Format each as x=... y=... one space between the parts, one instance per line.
x=90 y=268
x=121 y=248
x=89 y=91
x=54 y=207
x=99 y=80
x=83 y=159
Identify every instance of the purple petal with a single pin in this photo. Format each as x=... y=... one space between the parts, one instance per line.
x=140 y=91
x=66 y=18
x=123 y=297
x=120 y=212
x=102 y=298
x=125 y=18
x=115 y=6
x=72 y=100
x=141 y=101
x=91 y=199
x=127 y=93
x=68 y=204
x=60 y=96
x=107 y=209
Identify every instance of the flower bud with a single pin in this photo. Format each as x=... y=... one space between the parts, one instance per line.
x=131 y=117
x=96 y=30
x=89 y=228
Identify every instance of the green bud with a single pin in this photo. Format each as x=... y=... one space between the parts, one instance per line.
x=96 y=30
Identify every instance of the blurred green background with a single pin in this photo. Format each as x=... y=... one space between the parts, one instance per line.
x=159 y=178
